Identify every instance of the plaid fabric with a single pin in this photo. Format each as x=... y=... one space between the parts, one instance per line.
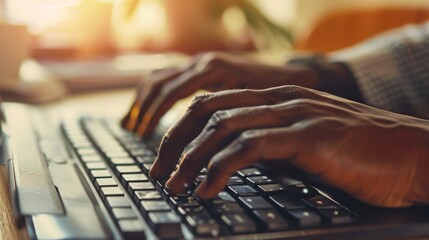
x=392 y=69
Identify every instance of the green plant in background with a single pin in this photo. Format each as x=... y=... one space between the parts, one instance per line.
x=266 y=34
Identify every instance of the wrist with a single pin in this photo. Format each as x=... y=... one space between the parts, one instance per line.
x=419 y=193
x=332 y=77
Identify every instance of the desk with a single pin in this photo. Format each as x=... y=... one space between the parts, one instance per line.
x=113 y=103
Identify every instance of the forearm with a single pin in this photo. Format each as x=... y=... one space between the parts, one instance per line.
x=391 y=70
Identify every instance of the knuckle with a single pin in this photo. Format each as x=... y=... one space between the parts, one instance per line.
x=220 y=120
x=301 y=103
x=166 y=138
x=298 y=90
x=249 y=138
x=292 y=91
x=199 y=101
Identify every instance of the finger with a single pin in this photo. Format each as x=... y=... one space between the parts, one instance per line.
x=250 y=147
x=184 y=86
x=194 y=120
x=209 y=71
x=203 y=107
x=225 y=125
x=139 y=89
x=147 y=93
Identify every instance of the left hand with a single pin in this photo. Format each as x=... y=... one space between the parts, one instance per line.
x=212 y=71
x=379 y=157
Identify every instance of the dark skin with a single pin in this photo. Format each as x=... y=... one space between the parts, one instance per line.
x=377 y=156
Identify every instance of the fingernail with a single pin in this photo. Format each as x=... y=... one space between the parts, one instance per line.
x=176 y=183
x=171 y=182
x=154 y=170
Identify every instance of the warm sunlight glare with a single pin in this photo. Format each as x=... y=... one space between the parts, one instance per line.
x=39 y=15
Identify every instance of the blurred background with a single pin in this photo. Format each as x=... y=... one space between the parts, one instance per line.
x=88 y=41
x=87 y=28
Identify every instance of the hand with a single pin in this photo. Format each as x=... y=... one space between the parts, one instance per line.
x=379 y=157
x=213 y=72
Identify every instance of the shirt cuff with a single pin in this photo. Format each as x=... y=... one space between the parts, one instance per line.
x=377 y=74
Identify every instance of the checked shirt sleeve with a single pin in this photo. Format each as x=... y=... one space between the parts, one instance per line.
x=392 y=69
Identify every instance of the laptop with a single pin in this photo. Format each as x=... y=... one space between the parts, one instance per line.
x=84 y=177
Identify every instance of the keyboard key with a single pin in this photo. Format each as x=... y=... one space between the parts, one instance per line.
x=336 y=216
x=320 y=202
x=166 y=225
x=124 y=213
x=302 y=190
x=201 y=177
x=133 y=177
x=146 y=167
x=91 y=158
x=287 y=201
x=83 y=143
x=132 y=145
x=117 y=154
x=160 y=184
x=238 y=223
x=96 y=165
x=111 y=147
x=165 y=193
x=128 y=169
x=184 y=211
x=142 y=153
x=131 y=142
x=271 y=220
x=198 y=180
x=202 y=224
x=248 y=172
x=147 y=195
x=242 y=190
x=118 y=202
x=258 y=180
x=105 y=182
x=111 y=191
x=87 y=151
x=221 y=198
x=132 y=229
x=145 y=159
x=235 y=180
x=122 y=161
x=141 y=186
x=268 y=189
x=100 y=174
x=255 y=202
x=203 y=171
x=184 y=201
x=227 y=208
x=305 y=218
x=154 y=206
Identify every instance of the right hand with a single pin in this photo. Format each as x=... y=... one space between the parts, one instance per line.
x=212 y=72
x=376 y=156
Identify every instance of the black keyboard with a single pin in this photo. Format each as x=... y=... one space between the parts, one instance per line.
x=117 y=163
